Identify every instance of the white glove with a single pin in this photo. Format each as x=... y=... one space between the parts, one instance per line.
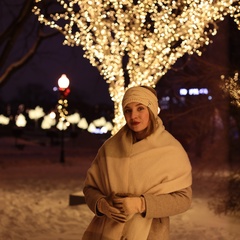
x=111 y=212
x=130 y=205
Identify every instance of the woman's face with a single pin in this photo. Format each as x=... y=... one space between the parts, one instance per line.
x=137 y=117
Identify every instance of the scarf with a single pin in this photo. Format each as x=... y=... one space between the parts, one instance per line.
x=155 y=165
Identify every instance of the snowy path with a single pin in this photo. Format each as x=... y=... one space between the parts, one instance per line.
x=34 y=198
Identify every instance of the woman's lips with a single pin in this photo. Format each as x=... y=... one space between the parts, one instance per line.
x=135 y=123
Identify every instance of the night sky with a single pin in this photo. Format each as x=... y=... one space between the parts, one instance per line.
x=49 y=63
x=51 y=60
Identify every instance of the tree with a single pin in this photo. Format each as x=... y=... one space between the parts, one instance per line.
x=20 y=36
x=136 y=42
x=231 y=87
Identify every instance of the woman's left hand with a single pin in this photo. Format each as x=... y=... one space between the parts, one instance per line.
x=130 y=205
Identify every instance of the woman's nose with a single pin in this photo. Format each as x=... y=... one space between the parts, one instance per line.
x=134 y=114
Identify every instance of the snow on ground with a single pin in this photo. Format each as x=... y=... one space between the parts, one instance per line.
x=35 y=189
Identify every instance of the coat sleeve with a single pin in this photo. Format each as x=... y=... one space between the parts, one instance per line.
x=166 y=205
x=92 y=195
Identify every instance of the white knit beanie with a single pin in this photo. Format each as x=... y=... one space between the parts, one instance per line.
x=141 y=95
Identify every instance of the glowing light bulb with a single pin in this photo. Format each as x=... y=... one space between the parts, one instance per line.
x=148 y=36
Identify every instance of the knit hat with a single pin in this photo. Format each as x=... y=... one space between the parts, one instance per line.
x=141 y=95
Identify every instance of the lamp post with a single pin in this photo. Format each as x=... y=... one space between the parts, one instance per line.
x=63 y=84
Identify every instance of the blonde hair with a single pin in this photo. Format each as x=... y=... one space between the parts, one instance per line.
x=153 y=124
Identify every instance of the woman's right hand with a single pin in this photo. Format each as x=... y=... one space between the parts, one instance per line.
x=111 y=212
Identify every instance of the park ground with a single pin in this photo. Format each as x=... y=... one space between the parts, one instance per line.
x=35 y=188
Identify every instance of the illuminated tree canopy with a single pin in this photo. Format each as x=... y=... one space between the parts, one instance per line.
x=232 y=88
x=134 y=42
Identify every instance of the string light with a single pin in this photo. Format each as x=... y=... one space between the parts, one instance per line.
x=231 y=86
x=149 y=35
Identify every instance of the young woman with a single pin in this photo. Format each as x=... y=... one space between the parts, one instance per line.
x=140 y=176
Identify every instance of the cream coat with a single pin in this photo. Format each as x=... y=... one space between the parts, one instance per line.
x=157 y=168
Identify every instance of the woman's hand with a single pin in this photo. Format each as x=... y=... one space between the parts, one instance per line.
x=111 y=212
x=130 y=205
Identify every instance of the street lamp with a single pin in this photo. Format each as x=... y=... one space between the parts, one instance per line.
x=63 y=87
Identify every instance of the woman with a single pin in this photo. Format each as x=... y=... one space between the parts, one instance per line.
x=140 y=176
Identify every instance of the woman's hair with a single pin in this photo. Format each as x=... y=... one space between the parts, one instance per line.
x=152 y=120
x=152 y=126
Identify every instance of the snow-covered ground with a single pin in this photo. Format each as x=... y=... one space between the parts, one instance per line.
x=35 y=189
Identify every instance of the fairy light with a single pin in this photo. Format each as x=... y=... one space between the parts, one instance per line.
x=232 y=87
x=150 y=34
